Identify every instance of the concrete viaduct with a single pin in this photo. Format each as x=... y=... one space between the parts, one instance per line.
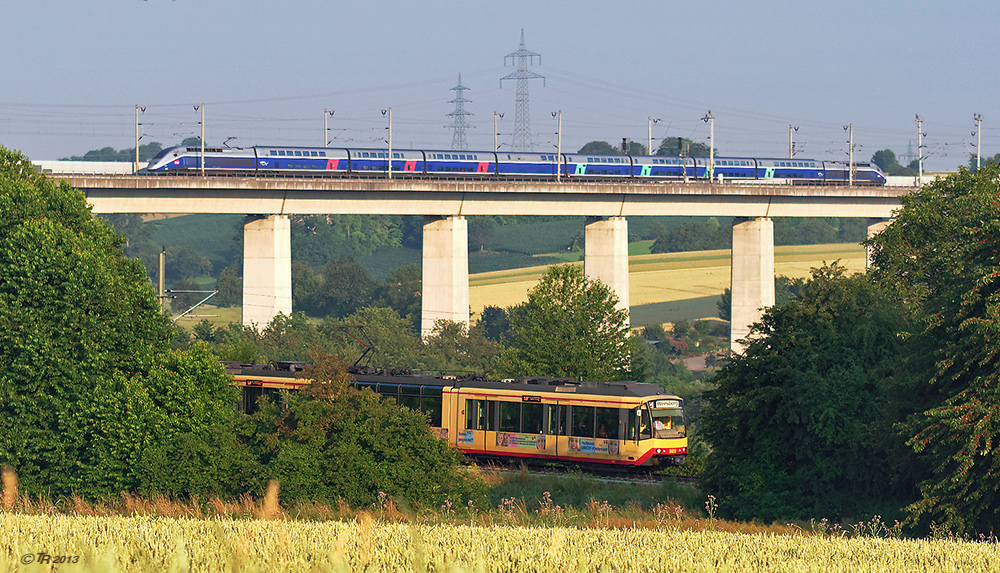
x=268 y=202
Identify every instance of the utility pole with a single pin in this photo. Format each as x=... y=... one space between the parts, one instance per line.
x=558 y=114
x=135 y=168
x=327 y=113
x=791 y=145
x=388 y=112
x=979 y=139
x=496 y=146
x=850 y=154
x=710 y=119
x=202 y=108
x=920 y=151
x=649 y=147
x=160 y=291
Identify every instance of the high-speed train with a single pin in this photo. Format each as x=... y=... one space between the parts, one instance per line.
x=355 y=162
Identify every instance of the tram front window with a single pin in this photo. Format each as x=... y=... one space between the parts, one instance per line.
x=668 y=419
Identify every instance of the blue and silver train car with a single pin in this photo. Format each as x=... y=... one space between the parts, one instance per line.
x=460 y=163
x=519 y=164
x=367 y=161
x=300 y=159
x=216 y=159
x=598 y=166
x=791 y=170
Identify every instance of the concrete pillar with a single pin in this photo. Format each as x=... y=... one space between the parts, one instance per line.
x=752 y=280
x=605 y=255
x=267 y=269
x=875 y=226
x=445 y=288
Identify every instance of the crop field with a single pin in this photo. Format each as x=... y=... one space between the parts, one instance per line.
x=145 y=543
x=668 y=278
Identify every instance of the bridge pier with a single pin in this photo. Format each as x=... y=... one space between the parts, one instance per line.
x=267 y=269
x=752 y=282
x=445 y=272
x=875 y=226
x=605 y=255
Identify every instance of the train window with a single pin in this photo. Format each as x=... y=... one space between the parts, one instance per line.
x=510 y=416
x=668 y=420
x=389 y=391
x=409 y=396
x=583 y=422
x=645 y=426
x=363 y=385
x=432 y=406
x=607 y=423
x=475 y=414
x=491 y=415
x=556 y=419
x=531 y=418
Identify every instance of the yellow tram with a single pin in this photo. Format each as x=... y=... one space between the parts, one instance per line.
x=606 y=423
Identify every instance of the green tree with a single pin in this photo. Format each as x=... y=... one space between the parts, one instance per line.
x=600 y=148
x=88 y=385
x=334 y=443
x=186 y=263
x=481 y=232
x=346 y=287
x=401 y=291
x=800 y=424
x=319 y=239
x=941 y=254
x=675 y=146
x=569 y=327
x=887 y=162
x=983 y=160
x=146 y=152
x=451 y=347
x=495 y=322
x=230 y=287
x=694 y=236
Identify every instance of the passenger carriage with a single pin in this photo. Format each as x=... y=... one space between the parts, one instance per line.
x=460 y=163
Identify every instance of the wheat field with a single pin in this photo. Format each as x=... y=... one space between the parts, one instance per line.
x=146 y=543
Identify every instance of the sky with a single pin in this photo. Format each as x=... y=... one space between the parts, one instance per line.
x=266 y=72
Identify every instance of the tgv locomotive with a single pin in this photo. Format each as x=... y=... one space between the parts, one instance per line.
x=320 y=161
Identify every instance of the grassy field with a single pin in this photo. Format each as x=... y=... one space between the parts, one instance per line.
x=667 y=287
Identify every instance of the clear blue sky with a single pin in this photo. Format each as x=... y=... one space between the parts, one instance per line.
x=73 y=72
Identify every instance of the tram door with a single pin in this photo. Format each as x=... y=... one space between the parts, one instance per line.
x=472 y=437
x=555 y=429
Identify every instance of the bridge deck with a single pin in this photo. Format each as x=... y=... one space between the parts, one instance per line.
x=288 y=195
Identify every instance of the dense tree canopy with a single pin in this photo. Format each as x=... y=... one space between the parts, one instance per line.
x=90 y=393
x=800 y=424
x=941 y=253
x=336 y=443
x=569 y=327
